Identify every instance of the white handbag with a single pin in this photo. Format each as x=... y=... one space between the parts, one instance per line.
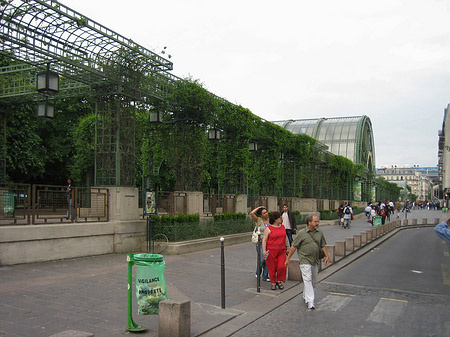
x=255 y=235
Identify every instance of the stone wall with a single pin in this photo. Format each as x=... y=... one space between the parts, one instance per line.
x=124 y=233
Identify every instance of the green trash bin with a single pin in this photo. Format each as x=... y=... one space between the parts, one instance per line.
x=377 y=220
x=150 y=286
x=8 y=204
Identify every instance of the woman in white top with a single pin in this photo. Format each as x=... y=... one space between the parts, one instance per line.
x=261 y=217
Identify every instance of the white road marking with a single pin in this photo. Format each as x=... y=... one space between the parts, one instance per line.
x=333 y=303
x=387 y=311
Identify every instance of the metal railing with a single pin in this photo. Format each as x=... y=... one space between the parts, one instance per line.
x=24 y=204
x=15 y=203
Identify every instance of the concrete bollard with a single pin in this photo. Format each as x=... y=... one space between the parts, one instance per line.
x=174 y=318
x=331 y=253
x=340 y=249
x=377 y=232
x=294 y=273
x=424 y=221
x=363 y=238
x=414 y=221
x=357 y=238
x=350 y=244
x=369 y=235
x=405 y=222
x=436 y=221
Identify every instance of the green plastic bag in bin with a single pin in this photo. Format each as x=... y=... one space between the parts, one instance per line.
x=150 y=283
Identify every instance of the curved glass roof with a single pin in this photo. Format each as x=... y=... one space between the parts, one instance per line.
x=350 y=137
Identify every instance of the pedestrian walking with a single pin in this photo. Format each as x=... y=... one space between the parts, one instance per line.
x=367 y=210
x=373 y=213
x=69 y=188
x=340 y=213
x=288 y=220
x=274 y=248
x=261 y=217
x=348 y=216
x=308 y=242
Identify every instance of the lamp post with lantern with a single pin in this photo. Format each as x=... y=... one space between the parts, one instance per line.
x=47 y=83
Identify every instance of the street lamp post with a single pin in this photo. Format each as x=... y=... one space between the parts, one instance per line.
x=214 y=134
x=47 y=83
x=46 y=109
x=155 y=117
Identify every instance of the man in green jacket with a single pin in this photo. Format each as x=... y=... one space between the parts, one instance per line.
x=308 y=242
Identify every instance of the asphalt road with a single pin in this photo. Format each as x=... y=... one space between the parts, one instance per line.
x=401 y=288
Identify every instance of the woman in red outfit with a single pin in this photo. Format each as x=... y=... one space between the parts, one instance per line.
x=274 y=250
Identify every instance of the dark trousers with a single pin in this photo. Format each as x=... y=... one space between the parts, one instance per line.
x=289 y=235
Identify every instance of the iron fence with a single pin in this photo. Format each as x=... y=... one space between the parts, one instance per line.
x=15 y=204
x=24 y=204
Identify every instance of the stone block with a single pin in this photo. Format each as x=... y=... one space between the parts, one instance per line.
x=369 y=233
x=363 y=238
x=174 y=318
x=308 y=205
x=340 y=249
x=436 y=221
x=374 y=233
x=331 y=253
x=357 y=238
x=294 y=273
x=350 y=244
x=405 y=222
x=414 y=221
x=424 y=221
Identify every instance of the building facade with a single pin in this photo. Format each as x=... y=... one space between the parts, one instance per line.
x=444 y=157
x=415 y=178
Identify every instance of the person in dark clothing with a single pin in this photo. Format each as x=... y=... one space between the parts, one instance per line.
x=288 y=220
x=69 y=188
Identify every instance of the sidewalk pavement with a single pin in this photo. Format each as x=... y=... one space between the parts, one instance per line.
x=90 y=294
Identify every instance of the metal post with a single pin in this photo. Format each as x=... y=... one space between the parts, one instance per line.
x=131 y=325
x=149 y=233
x=258 y=264
x=222 y=271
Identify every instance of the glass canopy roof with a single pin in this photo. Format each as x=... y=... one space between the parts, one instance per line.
x=350 y=137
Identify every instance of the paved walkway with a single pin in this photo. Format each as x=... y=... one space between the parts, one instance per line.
x=90 y=294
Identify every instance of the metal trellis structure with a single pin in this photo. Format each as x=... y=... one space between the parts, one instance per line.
x=91 y=60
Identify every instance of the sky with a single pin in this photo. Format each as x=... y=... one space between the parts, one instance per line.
x=387 y=59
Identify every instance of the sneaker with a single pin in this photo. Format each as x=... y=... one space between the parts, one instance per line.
x=267 y=280
x=311 y=306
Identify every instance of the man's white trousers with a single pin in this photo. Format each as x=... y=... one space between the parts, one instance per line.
x=309 y=275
